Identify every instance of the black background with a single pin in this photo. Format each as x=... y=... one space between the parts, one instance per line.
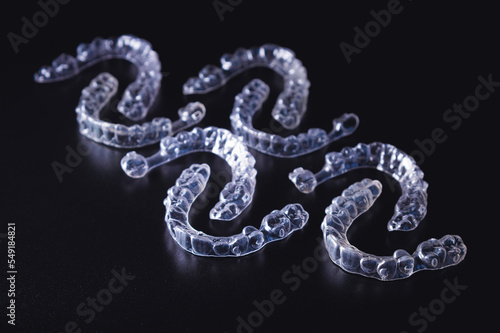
x=70 y=235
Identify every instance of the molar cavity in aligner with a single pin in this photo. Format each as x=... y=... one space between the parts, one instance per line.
x=358 y=198
x=139 y=95
x=288 y=109
x=137 y=98
x=411 y=207
x=292 y=102
x=236 y=195
x=250 y=100
x=275 y=226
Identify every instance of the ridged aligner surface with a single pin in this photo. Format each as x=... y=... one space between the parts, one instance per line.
x=411 y=207
x=291 y=103
x=358 y=198
x=250 y=100
x=236 y=195
x=140 y=95
x=275 y=226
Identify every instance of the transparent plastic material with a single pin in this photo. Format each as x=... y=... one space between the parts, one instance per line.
x=139 y=95
x=97 y=95
x=355 y=200
x=275 y=226
x=291 y=103
x=288 y=109
x=411 y=206
x=236 y=195
x=136 y=101
x=250 y=100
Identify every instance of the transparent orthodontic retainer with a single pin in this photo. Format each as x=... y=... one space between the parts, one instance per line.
x=234 y=198
x=275 y=226
x=136 y=101
x=410 y=209
x=288 y=110
x=236 y=195
x=431 y=254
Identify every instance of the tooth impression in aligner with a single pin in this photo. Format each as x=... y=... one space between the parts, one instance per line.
x=288 y=109
x=411 y=206
x=236 y=195
x=250 y=100
x=354 y=201
x=292 y=102
x=137 y=98
x=275 y=226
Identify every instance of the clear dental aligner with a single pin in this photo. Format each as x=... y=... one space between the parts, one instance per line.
x=139 y=95
x=275 y=226
x=411 y=206
x=250 y=100
x=137 y=98
x=97 y=95
x=431 y=254
x=236 y=195
x=292 y=101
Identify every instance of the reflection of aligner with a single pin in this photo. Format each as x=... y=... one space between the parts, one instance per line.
x=236 y=195
x=250 y=100
x=354 y=201
x=137 y=99
x=411 y=206
x=275 y=226
x=292 y=101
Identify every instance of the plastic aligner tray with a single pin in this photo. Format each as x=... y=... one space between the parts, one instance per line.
x=275 y=226
x=292 y=102
x=411 y=206
x=355 y=200
x=136 y=101
x=288 y=110
x=250 y=100
x=236 y=195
